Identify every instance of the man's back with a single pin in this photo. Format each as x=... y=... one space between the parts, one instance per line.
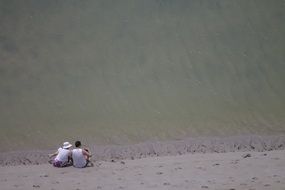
x=79 y=160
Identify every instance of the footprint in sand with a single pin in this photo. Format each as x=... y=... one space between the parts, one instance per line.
x=267 y=185
x=275 y=158
x=234 y=162
x=204 y=187
x=254 y=179
x=211 y=182
x=36 y=186
x=166 y=183
x=159 y=173
x=246 y=155
x=201 y=168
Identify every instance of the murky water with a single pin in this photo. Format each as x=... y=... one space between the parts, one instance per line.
x=119 y=72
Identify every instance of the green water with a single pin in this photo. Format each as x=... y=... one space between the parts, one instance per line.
x=120 y=72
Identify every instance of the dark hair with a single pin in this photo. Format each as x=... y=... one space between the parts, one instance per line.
x=77 y=144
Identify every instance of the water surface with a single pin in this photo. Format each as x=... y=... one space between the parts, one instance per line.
x=121 y=72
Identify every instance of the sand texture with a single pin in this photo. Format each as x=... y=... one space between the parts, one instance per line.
x=221 y=171
x=149 y=149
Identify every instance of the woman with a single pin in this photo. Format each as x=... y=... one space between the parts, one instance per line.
x=63 y=156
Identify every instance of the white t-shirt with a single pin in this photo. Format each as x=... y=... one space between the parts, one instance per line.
x=79 y=160
x=62 y=155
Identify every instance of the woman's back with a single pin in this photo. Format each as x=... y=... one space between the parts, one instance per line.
x=63 y=155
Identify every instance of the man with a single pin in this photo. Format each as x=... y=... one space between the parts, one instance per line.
x=81 y=157
x=63 y=156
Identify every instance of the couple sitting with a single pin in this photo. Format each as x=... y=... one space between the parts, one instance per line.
x=77 y=157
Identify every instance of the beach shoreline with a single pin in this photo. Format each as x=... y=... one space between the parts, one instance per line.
x=155 y=149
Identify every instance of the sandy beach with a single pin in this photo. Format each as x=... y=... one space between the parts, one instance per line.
x=230 y=163
x=229 y=171
x=166 y=94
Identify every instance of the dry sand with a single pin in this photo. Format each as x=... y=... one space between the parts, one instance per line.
x=233 y=170
x=245 y=162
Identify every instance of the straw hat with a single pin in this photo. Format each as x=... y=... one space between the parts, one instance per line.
x=66 y=145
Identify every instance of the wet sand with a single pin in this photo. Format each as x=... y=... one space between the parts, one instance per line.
x=156 y=148
x=228 y=171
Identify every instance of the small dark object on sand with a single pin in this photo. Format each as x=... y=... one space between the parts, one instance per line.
x=246 y=155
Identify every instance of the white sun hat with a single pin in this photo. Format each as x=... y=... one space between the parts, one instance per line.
x=66 y=145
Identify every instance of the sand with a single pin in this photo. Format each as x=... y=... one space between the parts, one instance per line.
x=231 y=163
x=151 y=148
x=229 y=171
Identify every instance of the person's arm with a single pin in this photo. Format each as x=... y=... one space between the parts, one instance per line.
x=70 y=156
x=70 y=153
x=52 y=155
x=85 y=147
x=85 y=153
